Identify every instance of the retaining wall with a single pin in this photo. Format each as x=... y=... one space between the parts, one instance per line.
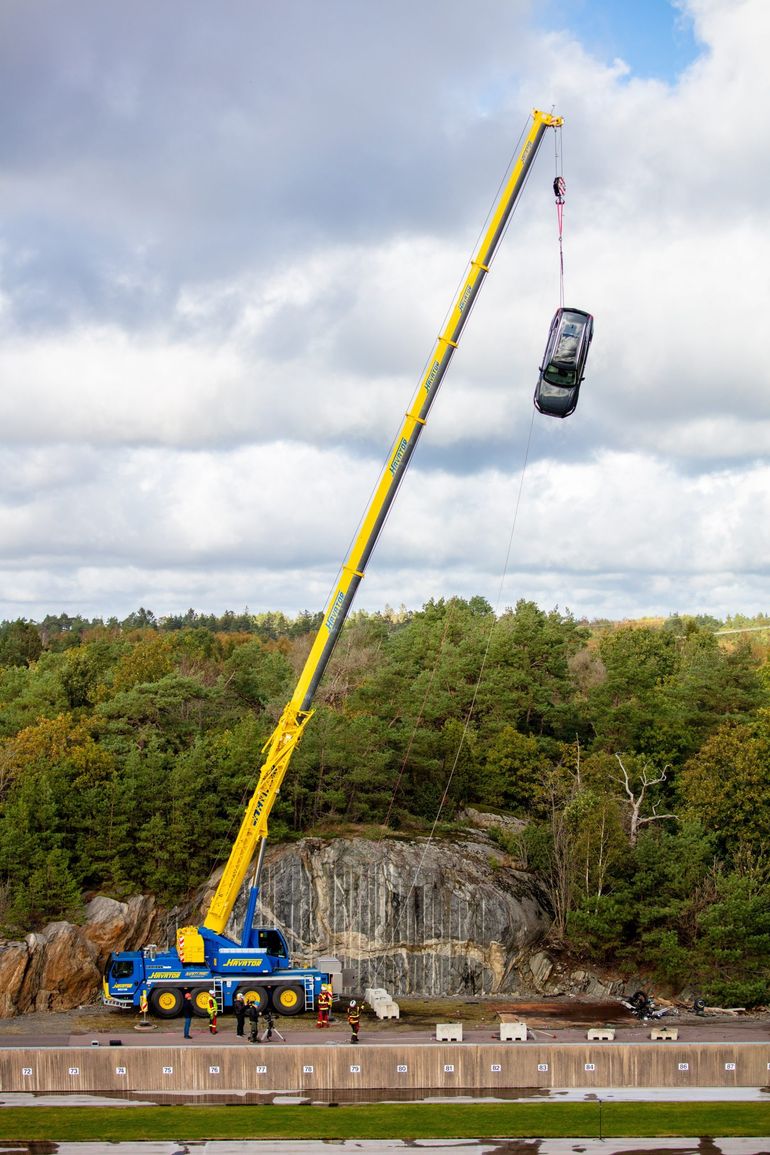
x=305 y=1070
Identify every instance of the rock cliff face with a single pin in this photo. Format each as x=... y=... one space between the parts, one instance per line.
x=440 y=918
x=417 y=917
x=61 y=967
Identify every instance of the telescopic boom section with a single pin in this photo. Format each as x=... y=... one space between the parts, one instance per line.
x=296 y=715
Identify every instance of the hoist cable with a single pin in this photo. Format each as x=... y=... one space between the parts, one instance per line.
x=559 y=190
x=403 y=906
x=417 y=723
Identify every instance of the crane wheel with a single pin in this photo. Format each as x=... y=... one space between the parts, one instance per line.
x=254 y=993
x=166 y=1002
x=289 y=999
x=200 y=996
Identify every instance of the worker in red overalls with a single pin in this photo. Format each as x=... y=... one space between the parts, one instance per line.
x=324 y=1006
x=354 y=1018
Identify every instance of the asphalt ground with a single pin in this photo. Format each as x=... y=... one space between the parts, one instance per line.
x=164 y=1034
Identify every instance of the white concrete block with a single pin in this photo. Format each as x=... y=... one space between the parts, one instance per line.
x=449 y=1032
x=371 y=994
x=601 y=1035
x=513 y=1032
x=662 y=1033
x=386 y=1009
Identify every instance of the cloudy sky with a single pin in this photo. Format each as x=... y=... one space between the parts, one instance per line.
x=229 y=234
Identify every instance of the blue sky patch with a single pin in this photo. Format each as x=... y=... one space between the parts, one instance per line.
x=654 y=37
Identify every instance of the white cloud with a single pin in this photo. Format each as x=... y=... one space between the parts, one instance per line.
x=219 y=283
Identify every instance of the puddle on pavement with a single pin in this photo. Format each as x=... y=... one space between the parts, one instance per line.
x=327 y=1098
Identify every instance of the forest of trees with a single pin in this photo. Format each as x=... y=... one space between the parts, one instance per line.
x=638 y=754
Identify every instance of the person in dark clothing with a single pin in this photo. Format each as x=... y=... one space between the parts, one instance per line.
x=187 y=1010
x=239 y=1008
x=252 y=1011
x=354 y=1019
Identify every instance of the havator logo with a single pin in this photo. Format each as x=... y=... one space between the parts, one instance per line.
x=335 y=610
x=398 y=455
x=464 y=299
x=431 y=376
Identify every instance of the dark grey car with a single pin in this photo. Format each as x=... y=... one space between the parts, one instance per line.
x=569 y=340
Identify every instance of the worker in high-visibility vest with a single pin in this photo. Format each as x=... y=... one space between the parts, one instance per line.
x=211 y=1011
x=324 y=1006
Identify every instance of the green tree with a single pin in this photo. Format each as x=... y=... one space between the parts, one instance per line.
x=20 y=643
x=733 y=945
x=727 y=785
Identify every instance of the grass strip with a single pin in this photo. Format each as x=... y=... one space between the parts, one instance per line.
x=387 y=1121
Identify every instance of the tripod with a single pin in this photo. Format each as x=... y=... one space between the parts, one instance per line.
x=270 y=1029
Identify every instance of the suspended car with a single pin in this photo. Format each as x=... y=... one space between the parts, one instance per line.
x=564 y=360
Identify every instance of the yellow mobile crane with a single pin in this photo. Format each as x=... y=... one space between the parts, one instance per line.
x=204 y=954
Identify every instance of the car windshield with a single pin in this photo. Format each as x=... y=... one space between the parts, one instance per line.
x=561 y=375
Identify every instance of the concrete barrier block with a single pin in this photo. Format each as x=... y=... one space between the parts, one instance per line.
x=513 y=1032
x=371 y=994
x=601 y=1035
x=386 y=1009
x=449 y=1032
x=663 y=1033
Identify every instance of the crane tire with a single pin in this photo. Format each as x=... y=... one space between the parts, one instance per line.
x=254 y=993
x=289 y=999
x=200 y=997
x=166 y=1002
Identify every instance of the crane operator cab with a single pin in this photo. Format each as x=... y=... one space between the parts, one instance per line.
x=564 y=360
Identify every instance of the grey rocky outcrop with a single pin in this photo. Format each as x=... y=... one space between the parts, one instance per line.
x=417 y=916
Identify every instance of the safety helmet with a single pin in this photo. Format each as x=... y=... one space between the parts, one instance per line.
x=352 y=1002
x=212 y=992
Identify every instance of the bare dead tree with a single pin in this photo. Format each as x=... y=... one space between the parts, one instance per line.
x=636 y=799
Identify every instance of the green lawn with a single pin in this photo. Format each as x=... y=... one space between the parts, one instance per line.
x=386 y=1121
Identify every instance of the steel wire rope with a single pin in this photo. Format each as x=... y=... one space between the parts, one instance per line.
x=480 y=234
x=447 y=314
x=418 y=720
x=559 y=188
x=491 y=257
x=469 y=715
x=378 y=966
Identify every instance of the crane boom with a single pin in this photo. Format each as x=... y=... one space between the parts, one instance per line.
x=283 y=741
